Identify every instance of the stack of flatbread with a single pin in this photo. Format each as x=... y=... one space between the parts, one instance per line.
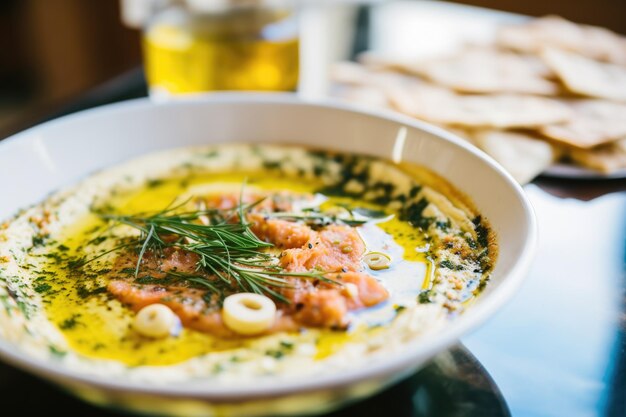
x=544 y=91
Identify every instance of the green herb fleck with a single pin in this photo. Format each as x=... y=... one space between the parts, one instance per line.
x=369 y=213
x=276 y=354
x=42 y=288
x=413 y=214
x=443 y=226
x=55 y=351
x=70 y=323
x=449 y=265
x=482 y=233
x=424 y=297
x=414 y=191
x=38 y=240
x=84 y=292
x=286 y=345
x=271 y=164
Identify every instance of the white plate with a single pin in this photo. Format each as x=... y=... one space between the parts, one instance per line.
x=57 y=153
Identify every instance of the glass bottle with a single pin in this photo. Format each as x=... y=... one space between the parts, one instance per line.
x=207 y=45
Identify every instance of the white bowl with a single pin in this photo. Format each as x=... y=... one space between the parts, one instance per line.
x=54 y=154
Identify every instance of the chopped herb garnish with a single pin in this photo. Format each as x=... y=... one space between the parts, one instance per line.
x=84 y=292
x=55 y=351
x=287 y=345
x=369 y=213
x=147 y=279
x=315 y=218
x=271 y=164
x=414 y=191
x=69 y=323
x=483 y=283
x=443 y=226
x=482 y=234
x=38 y=240
x=42 y=288
x=154 y=183
x=413 y=214
x=449 y=265
x=424 y=297
x=277 y=354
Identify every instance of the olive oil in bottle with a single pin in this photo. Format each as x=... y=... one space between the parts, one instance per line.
x=237 y=48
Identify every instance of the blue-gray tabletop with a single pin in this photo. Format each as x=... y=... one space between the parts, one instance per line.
x=559 y=347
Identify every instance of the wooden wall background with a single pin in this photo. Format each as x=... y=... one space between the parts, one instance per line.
x=607 y=13
x=51 y=51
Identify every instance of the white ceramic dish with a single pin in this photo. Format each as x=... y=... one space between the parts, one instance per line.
x=52 y=155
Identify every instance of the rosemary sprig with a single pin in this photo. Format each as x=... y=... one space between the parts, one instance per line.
x=317 y=219
x=227 y=250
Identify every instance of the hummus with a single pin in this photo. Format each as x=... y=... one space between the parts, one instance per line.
x=74 y=270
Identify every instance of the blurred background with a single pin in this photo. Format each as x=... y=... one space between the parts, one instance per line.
x=54 y=52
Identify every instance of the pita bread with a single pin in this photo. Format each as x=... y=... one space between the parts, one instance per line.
x=441 y=106
x=606 y=158
x=483 y=93
x=587 y=77
x=553 y=31
x=595 y=122
x=362 y=95
x=376 y=61
x=352 y=73
x=488 y=71
x=522 y=155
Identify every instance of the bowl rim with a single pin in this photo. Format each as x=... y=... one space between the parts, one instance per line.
x=401 y=363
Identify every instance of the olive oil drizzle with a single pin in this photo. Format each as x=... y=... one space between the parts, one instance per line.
x=90 y=288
